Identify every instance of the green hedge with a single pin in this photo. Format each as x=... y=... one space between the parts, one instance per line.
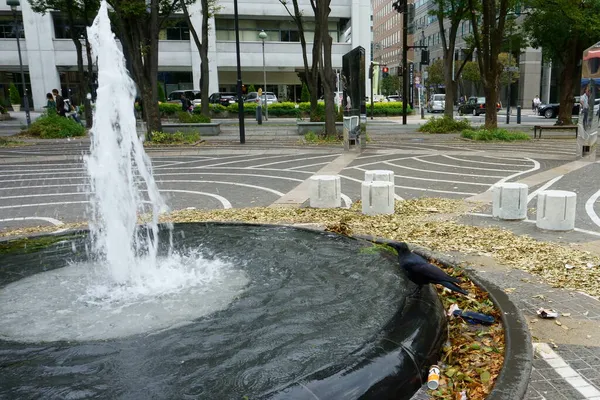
x=169 y=109
x=494 y=134
x=187 y=118
x=174 y=138
x=54 y=126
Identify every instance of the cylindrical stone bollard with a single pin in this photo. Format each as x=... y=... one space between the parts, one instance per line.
x=325 y=191
x=510 y=201
x=556 y=210
x=379 y=175
x=377 y=197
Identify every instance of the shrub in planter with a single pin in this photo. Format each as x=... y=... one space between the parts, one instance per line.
x=175 y=138
x=285 y=109
x=249 y=109
x=54 y=126
x=15 y=98
x=444 y=125
x=494 y=134
x=169 y=109
x=188 y=118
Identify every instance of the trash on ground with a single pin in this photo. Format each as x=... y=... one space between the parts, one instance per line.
x=547 y=313
x=473 y=317
x=433 y=379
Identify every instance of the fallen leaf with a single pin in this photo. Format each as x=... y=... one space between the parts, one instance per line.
x=566 y=314
x=509 y=290
x=485 y=376
x=557 y=322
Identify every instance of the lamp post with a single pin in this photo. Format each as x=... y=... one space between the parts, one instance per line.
x=13 y=6
x=263 y=35
x=239 y=73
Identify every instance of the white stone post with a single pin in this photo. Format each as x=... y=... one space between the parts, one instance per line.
x=380 y=175
x=325 y=191
x=510 y=201
x=377 y=198
x=556 y=210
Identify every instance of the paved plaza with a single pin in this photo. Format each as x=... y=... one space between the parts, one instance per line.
x=45 y=184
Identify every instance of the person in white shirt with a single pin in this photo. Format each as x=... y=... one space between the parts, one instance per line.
x=585 y=107
x=536 y=104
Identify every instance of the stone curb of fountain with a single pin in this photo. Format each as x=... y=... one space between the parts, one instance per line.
x=513 y=380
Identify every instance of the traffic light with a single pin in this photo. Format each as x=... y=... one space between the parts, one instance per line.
x=399 y=5
x=385 y=71
x=425 y=57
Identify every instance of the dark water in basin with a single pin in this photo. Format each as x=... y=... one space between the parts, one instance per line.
x=314 y=301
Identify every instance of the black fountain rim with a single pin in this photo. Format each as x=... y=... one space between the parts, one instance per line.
x=513 y=380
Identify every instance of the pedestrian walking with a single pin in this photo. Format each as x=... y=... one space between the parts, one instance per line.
x=536 y=104
x=50 y=104
x=584 y=100
x=60 y=103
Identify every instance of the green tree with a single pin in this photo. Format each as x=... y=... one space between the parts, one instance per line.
x=508 y=77
x=305 y=94
x=13 y=94
x=161 y=92
x=435 y=75
x=390 y=85
x=251 y=89
x=80 y=14
x=471 y=74
x=574 y=27
x=452 y=11
x=488 y=19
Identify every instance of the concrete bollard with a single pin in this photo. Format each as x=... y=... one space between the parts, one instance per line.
x=325 y=191
x=556 y=210
x=510 y=201
x=379 y=175
x=377 y=198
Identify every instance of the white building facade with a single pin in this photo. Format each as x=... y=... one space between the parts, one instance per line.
x=50 y=60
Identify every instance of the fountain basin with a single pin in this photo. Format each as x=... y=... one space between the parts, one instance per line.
x=300 y=314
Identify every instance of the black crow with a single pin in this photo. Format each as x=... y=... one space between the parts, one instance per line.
x=421 y=272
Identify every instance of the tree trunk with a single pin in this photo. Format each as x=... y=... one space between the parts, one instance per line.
x=90 y=70
x=449 y=82
x=202 y=47
x=568 y=79
x=204 y=71
x=328 y=79
x=491 y=97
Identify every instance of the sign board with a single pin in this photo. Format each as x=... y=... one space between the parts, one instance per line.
x=411 y=78
x=511 y=69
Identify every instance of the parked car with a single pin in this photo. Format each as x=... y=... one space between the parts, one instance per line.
x=252 y=97
x=436 y=103
x=175 y=96
x=475 y=106
x=394 y=97
x=223 y=98
x=551 y=110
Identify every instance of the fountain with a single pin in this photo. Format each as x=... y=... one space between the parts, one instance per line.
x=204 y=310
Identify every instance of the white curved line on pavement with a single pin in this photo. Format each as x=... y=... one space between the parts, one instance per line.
x=228 y=183
x=308 y=165
x=536 y=166
x=53 y=221
x=263 y=169
x=60 y=172
x=386 y=161
x=435 y=180
x=226 y=204
x=484 y=162
x=440 y=172
x=198 y=160
x=543 y=187
x=60 y=203
x=41 y=186
x=230 y=174
x=239 y=161
x=457 y=166
x=296 y=160
x=43 y=195
x=589 y=208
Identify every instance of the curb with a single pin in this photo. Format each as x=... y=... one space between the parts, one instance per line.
x=513 y=380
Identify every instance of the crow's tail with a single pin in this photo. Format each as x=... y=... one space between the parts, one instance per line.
x=453 y=287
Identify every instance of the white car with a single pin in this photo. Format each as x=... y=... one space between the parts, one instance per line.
x=437 y=103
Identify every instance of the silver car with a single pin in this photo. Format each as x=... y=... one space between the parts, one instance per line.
x=437 y=103
x=253 y=98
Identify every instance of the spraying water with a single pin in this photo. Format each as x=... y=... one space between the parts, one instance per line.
x=119 y=169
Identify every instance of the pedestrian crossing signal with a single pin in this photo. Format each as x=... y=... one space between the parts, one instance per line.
x=385 y=71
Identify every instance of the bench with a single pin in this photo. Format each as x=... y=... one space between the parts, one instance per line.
x=553 y=127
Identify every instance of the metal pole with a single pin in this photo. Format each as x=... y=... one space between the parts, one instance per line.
x=372 y=74
x=265 y=79
x=509 y=78
x=18 y=34
x=404 y=61
x=239 y=73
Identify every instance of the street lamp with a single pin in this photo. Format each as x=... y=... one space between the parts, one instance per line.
x=239 y=72
x=13 y=6
x=263 y=35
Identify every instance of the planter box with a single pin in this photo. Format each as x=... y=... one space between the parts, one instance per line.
x=4 y=117
x=16 y=107
x=317 y=127
x=204 y=129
